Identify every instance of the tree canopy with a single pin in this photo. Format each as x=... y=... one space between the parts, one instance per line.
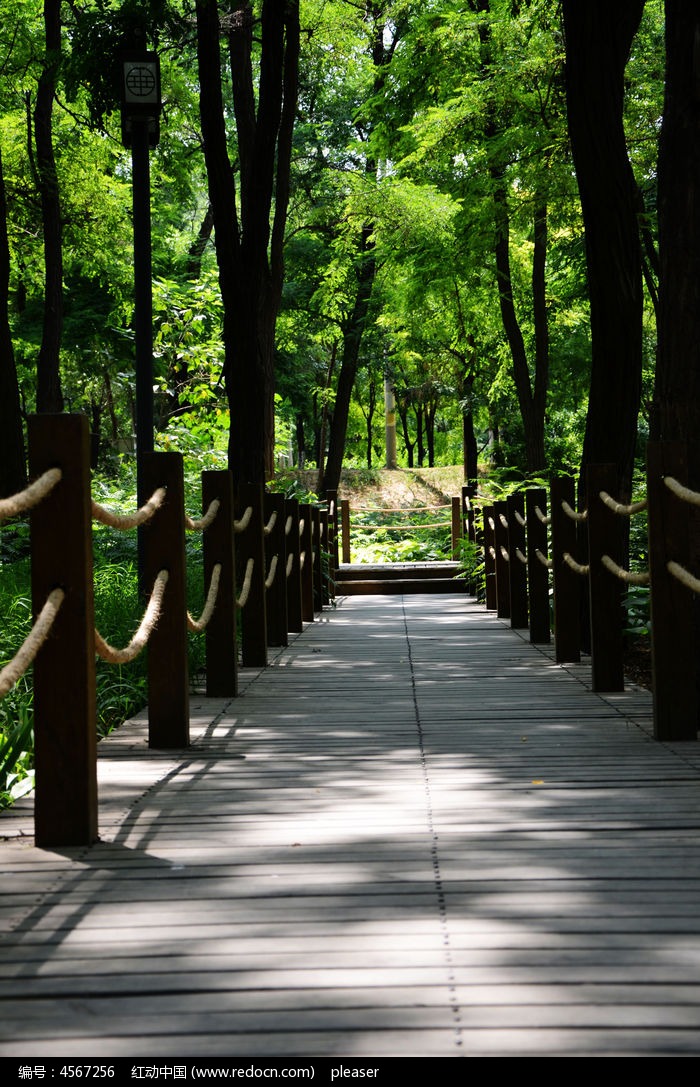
x=466 y=200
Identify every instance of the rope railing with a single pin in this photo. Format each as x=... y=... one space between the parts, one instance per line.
x=504 y=554
x=400 y=509
x=196 y=626
x=492 y=524
x=124 y=521
x=519 y=555
x=269 y=580
x=503 y=519
x=684 y=576
x=142 y=635
x=242 y=524
x=492 y=552
x=619 y=507
x=203 y=523
x=543 y=517
x=630 y=578
x=688 y=495
x=242 y=599
x=288 y=525
x=302 y=559
x=543 y=559
x=402 y=528
x=290 y=564
x=573 y=514
x=269 y=527
x=24 y=657
x=577 y=567
x=519 y=518
x=30 y=497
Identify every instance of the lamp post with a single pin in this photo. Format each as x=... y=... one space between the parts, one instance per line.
x=140 y=113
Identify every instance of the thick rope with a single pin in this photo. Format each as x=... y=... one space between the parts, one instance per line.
x=301 y=525
x=273 y=570
x=543 y=559
x=520 y=556
x=288 y=525
x=400 y=509
x=401 y=528
x=543 y=517
x=492 y=553
x=198 y=625
x=247 y=581
x=290 y=563
x=124 y=521
x=504 y=520
x=31 y=496
x=505 y=554
x=575 y=566
x=570 y=512
x=618 y=507
x=331 y=509
x=684 y=576
x=146 y=628
x=302 y=560
x=203 y=523
x=627 y=576
x=519 y=518
x=492 y=524
x=241 y=526
x=271 y=523
x=682 y=492
x=24 y=656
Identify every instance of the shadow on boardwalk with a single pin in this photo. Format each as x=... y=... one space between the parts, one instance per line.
x=412 y=834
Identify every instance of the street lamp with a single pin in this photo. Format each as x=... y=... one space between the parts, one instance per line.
x=140 y=114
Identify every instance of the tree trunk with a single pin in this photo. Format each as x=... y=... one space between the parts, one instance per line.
x=352 y=338
x=249 y=247
x=599 y=36
x=49 y=397
x=676 y=408
x=13 y=475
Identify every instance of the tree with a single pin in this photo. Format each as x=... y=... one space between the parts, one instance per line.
x=12 y=467
x=676 y=409
x=249 y=217
x=598 y=41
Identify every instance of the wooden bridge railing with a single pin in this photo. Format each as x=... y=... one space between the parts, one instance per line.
x=272 y=543
x=589 y=579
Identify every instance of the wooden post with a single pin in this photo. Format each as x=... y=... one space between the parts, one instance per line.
x=673 y=627
x=276 y=598
x=469 y=523
x=294 y=619
x=164 y=549
x=456 y=525
x=345 y=527
x=219 y=547
x=606 y=591
x=316 y=548
x=537 y=572
x=307 y=569
x=65 y=730
x=517 y=567
x=490 y=557
x=251 y=545
x=502 y=572
x=567 y=587
x=332 y=499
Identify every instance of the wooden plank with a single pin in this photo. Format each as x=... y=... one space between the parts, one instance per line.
x=400 y=838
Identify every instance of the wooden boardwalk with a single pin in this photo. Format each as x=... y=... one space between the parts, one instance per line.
x=413 y=834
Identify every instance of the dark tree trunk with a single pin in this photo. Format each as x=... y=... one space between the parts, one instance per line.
x=13 y=475
x=599 y=36
x=532 y=405
x=195 y=253
x=352 y=339
x=408 y=444
x=676 y=408
x=249 y=247
x=420 y=443
x=49 y=397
